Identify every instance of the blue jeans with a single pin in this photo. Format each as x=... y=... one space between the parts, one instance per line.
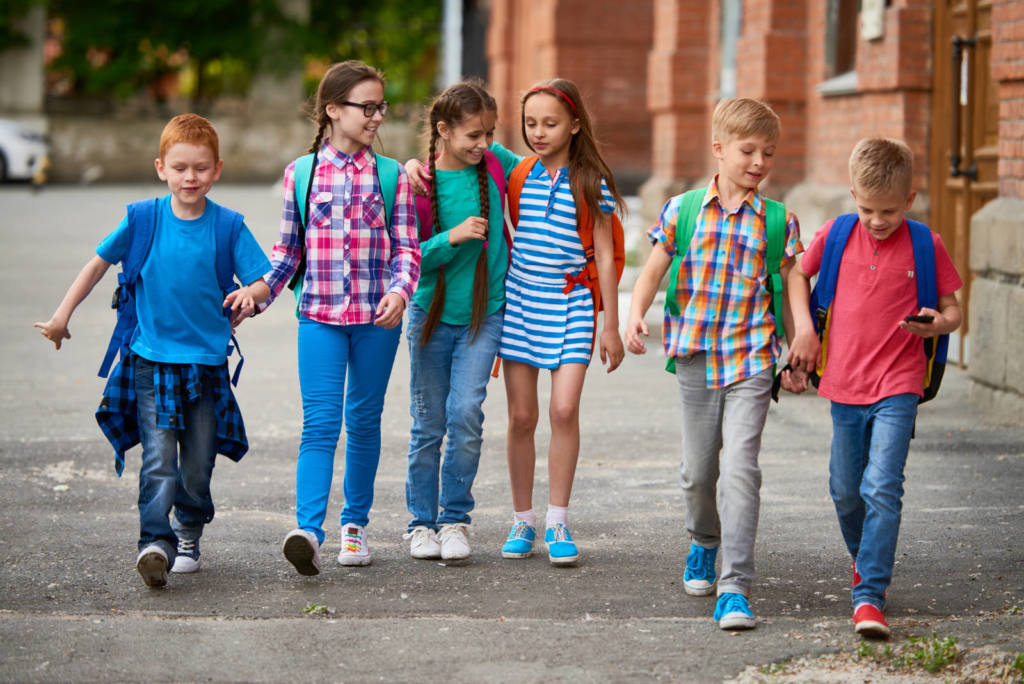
x=327 y=354
x=869 y=450
x=176 y=467
x=448 y=385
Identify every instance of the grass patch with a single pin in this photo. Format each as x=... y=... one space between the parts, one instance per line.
x=318 y=610
x=931 y=654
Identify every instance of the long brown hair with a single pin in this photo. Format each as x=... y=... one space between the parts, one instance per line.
x=336 y=84
x=586 y=165
x=453 y=106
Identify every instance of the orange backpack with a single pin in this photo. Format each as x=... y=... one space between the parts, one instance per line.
x=585 y=228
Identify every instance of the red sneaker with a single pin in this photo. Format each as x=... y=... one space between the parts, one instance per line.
x=856 y=575
x=869 y=622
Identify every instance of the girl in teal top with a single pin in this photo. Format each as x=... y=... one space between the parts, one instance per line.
x=455 y=319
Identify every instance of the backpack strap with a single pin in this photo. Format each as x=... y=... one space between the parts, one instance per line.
x=516 y=181
x=497 y=173
x=227 y=225
x=686 y=223
x=303 y=178
x=141 y=228
x=387 y=170
x=825 y=287
x=935 y=348
x=775 y=224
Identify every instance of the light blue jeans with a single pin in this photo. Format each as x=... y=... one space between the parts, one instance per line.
x=328 y=356
x=176 y=467
x=720 y=474
x=448 y=386
x=869 y=451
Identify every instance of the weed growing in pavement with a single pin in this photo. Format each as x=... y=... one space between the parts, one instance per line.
x=1018 y=665
x=318 y=609
x=774 y=668
x=927 y=653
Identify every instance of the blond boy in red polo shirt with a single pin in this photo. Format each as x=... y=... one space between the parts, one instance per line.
x=875 y=366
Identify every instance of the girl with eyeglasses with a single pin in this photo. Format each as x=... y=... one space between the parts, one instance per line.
x=349 y=249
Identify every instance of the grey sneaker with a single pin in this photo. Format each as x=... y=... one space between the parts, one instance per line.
x=303 y=551
x=423 y=543
x=187 y=559
x=152 y=565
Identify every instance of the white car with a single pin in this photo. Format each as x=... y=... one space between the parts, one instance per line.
x=24 y=153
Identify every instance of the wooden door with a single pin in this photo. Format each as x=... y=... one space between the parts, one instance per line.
x=965 y=129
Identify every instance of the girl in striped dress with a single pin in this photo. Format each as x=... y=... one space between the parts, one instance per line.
x=550 y=319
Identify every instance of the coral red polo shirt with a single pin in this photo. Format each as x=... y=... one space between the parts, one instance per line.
x=869 y=356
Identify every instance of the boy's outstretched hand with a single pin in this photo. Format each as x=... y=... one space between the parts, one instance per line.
x=242 y=305
x=612 y=352
x=53 y=330
x=636 y=331
x=794 y=380
x=804 y=351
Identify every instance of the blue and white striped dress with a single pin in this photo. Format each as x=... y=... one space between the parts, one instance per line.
x=545 y=327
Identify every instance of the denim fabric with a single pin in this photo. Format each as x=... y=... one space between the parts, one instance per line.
x=448 y=385
x=869 y=450
x=177 y=464
x=327 y=354
x=720 y=474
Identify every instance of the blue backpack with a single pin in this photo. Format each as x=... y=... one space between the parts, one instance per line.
x=927 y=295
x=387 y=170
x=141 y=227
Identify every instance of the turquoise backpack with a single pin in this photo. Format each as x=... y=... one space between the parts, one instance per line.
x=686 y=223
x=386 y=170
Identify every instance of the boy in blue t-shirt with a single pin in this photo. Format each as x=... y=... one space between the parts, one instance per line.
x=172 y=388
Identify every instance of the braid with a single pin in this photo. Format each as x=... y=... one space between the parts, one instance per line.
x=322 y=120
x=480 y=276
x=437 y=301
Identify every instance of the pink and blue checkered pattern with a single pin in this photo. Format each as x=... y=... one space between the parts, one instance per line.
x=353 y=257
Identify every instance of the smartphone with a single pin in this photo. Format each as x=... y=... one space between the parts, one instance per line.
x=914 y=318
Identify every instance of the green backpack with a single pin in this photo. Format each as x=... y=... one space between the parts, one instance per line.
x=686 y=223
x=386 y=169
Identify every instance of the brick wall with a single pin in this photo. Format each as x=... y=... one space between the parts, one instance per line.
x=1007 y=64
x=601 y=45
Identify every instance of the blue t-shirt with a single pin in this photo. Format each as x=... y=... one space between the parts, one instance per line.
x=177 y=297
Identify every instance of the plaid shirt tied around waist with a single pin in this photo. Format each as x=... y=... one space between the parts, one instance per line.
x=722 y=287
x=175 y=384
x=353 y=257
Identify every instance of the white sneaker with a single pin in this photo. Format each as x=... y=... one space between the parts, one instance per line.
x=454 y=538
x=423 y=543
x=354 y=549
x=303 y=551
x=151 y=563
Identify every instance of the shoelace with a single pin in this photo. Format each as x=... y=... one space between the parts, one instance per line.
x=519 y=530
x=449 y=530
x=186 y=547
x=698 y=562
x=353 y=542
x=417 y=534
x=560 y=533
x=734 y=603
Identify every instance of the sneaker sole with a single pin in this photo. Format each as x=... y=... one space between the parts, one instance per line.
x=299 y=553
x=698 y=591
x=426 y=556
x=355 y=562
x=564 y=560
x=455 y=557
x=737 y=621
x=185 y=567
x=510 y=554
x=153 y=569
x=872 y=629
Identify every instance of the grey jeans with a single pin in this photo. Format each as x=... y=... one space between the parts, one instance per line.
x=719 y=473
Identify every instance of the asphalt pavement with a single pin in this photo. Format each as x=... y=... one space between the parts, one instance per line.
x=72 y=607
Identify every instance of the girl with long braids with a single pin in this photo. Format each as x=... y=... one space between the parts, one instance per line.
x=357 y=261
x=455 y=317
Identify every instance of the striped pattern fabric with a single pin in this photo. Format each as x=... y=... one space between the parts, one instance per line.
x=545 y=327
x=353 y=257
x=722 y=287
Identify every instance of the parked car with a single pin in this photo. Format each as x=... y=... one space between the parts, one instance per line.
x=24 y=153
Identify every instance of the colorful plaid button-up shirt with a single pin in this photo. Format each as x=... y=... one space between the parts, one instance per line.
x=722 y=287
x=353 y=257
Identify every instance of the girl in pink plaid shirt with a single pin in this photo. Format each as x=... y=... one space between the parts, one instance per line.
x=358 y=267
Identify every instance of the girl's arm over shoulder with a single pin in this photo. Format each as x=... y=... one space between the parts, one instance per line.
x=56 y=329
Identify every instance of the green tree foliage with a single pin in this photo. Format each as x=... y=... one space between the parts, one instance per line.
x=11 y=12
x=399 y=37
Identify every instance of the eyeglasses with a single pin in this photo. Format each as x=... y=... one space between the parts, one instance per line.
x=369 y=108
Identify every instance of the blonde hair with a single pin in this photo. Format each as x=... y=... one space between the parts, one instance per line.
x=192 y=129
x=882 y=165
x=742 y=117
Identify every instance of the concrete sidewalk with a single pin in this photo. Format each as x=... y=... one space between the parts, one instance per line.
x=73 y=608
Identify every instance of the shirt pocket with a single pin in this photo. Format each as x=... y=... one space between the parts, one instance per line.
x=371 y=222
x=320 y=211
x=747 y=256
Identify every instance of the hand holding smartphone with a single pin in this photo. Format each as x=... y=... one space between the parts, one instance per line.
x=915 y=318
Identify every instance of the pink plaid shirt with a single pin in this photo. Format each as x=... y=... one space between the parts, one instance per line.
x=353 y=258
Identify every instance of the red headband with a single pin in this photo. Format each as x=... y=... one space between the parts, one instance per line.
x=556 y=91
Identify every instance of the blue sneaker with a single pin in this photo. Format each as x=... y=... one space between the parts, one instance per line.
x=520 y=541
x=733 y=612
x=699 y=578
x=561 y=548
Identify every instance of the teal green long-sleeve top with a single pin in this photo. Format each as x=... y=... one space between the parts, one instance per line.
x=458 y=194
